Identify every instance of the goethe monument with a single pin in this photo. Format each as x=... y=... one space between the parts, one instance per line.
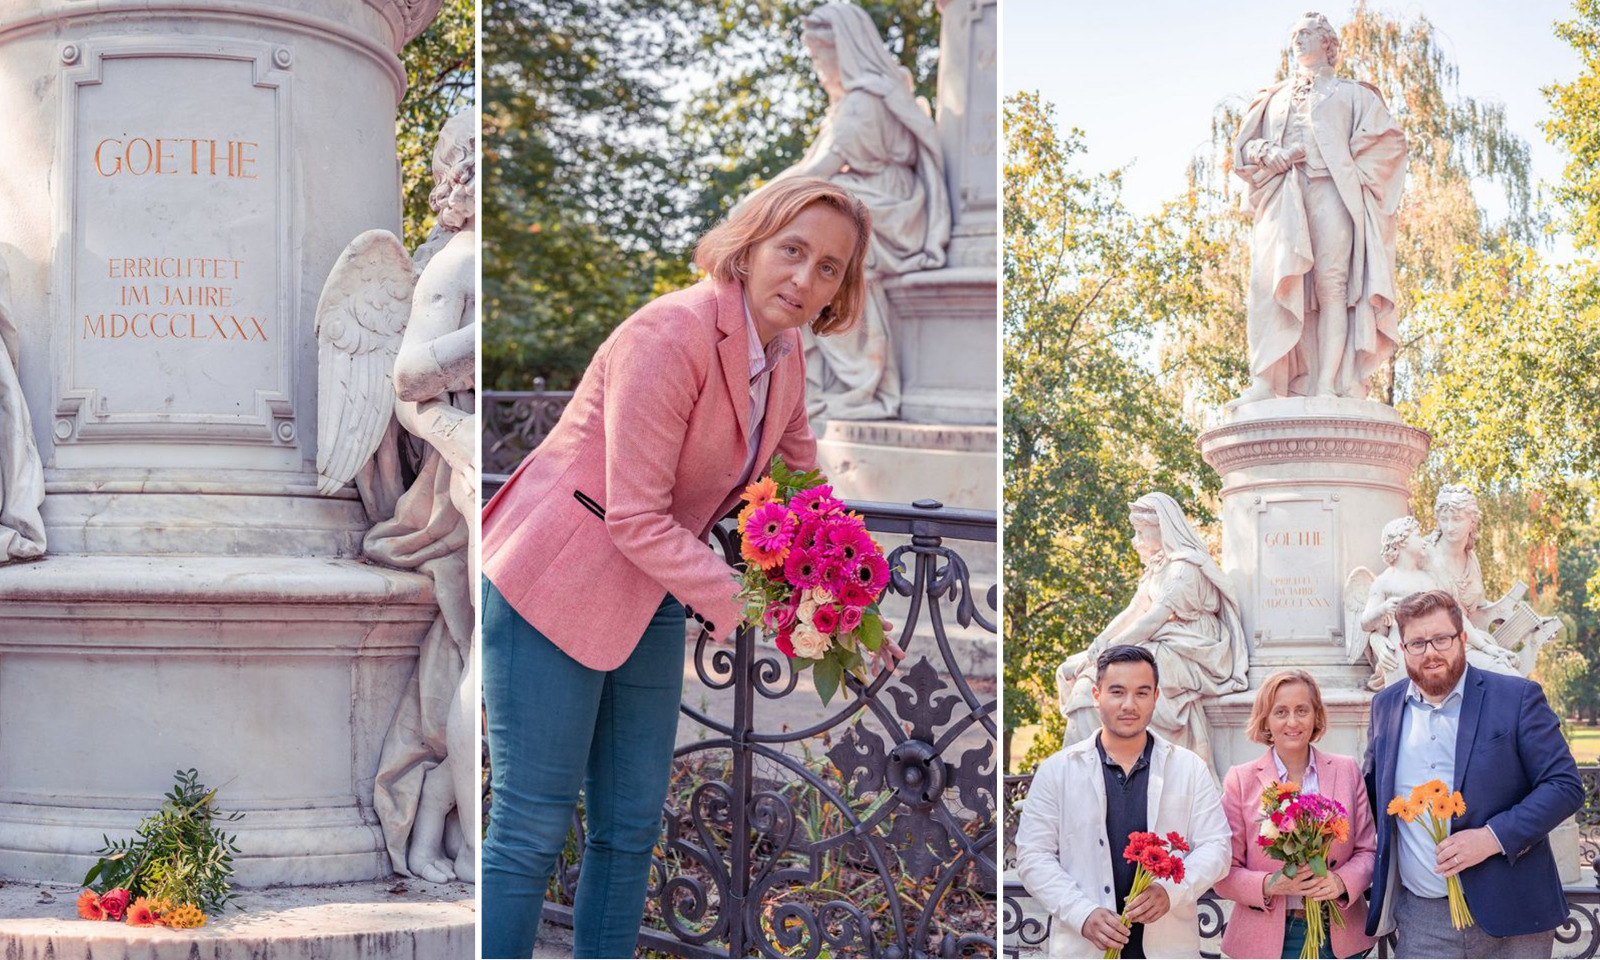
x=177 y=182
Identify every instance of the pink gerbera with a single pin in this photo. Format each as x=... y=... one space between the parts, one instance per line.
x=818 y=501
x=849 y=540
x=811 y=534
x=802 y=569
x=871 y=573
x=770 y=527
x=831 y=575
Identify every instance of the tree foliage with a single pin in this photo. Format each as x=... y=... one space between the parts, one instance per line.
x=1125 y=334
x=615 y=133
x=1088 y=427
x=440 y=76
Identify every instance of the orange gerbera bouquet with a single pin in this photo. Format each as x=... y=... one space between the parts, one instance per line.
x=1299 y=829
x=1436 y=801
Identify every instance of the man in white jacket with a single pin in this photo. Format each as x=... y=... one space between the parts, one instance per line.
x=1086 y=800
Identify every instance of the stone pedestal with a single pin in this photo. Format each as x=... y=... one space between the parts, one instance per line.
x=967 y=113
x=181 y=177
x=897 y=462
x=945 y=339
x=1307 y=485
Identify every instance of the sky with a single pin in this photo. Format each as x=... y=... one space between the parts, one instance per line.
x=1141 y=78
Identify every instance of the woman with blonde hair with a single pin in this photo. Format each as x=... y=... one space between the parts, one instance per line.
x=595 y=550
x=1270 y=919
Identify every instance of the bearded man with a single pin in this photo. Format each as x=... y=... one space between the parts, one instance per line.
x=1495 y=739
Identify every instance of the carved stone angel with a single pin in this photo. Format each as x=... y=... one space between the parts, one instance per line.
x=1370 y=629
x=396 y=354
x=21 y=473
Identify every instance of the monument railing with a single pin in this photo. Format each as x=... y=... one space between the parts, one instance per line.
x=1023 y=929
x=870 y=832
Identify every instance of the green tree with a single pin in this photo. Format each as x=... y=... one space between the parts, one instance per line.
x=1088 y=426
x=440 y=75
x=615 y=134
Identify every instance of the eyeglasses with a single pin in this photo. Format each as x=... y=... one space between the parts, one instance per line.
x=1419 y=646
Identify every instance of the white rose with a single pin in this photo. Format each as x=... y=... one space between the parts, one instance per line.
x=808 y=642
x=821 y=595
x=1270 y=830
x=808 y=610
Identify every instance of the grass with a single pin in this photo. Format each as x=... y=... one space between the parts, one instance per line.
x=1585 y=742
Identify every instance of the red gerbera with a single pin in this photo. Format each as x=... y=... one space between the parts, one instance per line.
x=1176 y=841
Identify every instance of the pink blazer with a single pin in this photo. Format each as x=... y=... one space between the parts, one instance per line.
x=612 y=510
x=1256 y=929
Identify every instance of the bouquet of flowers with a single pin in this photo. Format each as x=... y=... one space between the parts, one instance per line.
x=813 y=576
x=1436 y=800
x=1299 y=829
x=1158 y=860
x=178 y=867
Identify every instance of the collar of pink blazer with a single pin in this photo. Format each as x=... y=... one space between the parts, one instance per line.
x=654 y=438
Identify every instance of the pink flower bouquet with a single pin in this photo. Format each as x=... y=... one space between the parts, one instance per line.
x=813 y=576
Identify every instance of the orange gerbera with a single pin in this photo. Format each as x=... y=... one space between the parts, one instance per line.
x=1288 y=788
x=760 y=492
x=89 y=906
x=765 y=559
x=1449 y=805
x=1341 y=829
x=1428 y=791
x=142 y=914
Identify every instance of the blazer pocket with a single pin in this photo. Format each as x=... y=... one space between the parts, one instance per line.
x=589 y=503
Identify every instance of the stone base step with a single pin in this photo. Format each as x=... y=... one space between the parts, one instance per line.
x=356 y=921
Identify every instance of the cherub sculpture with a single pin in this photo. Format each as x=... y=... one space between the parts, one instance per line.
x=1370 y=601
x=396 y=340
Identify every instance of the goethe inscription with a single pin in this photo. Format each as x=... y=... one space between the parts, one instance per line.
x=1296 y=593
x=176 y=221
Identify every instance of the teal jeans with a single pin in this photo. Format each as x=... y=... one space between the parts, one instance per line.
x=1294 y=938
x=556 y=726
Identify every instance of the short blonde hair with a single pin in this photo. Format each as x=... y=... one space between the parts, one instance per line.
x=1257 y=726
x=724 y=252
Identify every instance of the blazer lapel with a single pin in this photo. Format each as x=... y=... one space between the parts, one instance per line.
x=734 y=350
x=1467 y=729
x=1389 y=730
x=1326 y=775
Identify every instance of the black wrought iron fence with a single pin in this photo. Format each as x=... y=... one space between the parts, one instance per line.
x=1024 y=929
x=870 y=831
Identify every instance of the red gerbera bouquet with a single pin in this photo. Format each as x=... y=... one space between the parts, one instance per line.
x=1158 y=859
x=1299 y=829
x=813 y=576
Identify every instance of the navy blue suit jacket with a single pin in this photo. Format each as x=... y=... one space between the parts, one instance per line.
x=1517 y=776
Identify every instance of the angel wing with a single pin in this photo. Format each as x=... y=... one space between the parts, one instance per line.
x=361 y=318
x=1357 y=588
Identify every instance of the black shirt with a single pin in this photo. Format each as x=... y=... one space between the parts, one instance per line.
x=1127 y=812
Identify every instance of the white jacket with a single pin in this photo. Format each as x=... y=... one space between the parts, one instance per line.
x=1064 y=857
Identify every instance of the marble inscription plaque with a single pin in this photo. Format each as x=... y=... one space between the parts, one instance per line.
x=178 y=284
x=1296 y=587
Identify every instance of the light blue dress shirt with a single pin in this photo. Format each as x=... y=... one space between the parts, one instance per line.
x=1427 y=752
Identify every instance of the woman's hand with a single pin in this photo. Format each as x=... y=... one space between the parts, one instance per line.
x=1278 y=885
x=1324 y=888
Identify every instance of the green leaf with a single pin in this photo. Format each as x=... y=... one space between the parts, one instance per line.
x=870 y=633
x=826 y=675
x=1319 y=866
x=1288 y=870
